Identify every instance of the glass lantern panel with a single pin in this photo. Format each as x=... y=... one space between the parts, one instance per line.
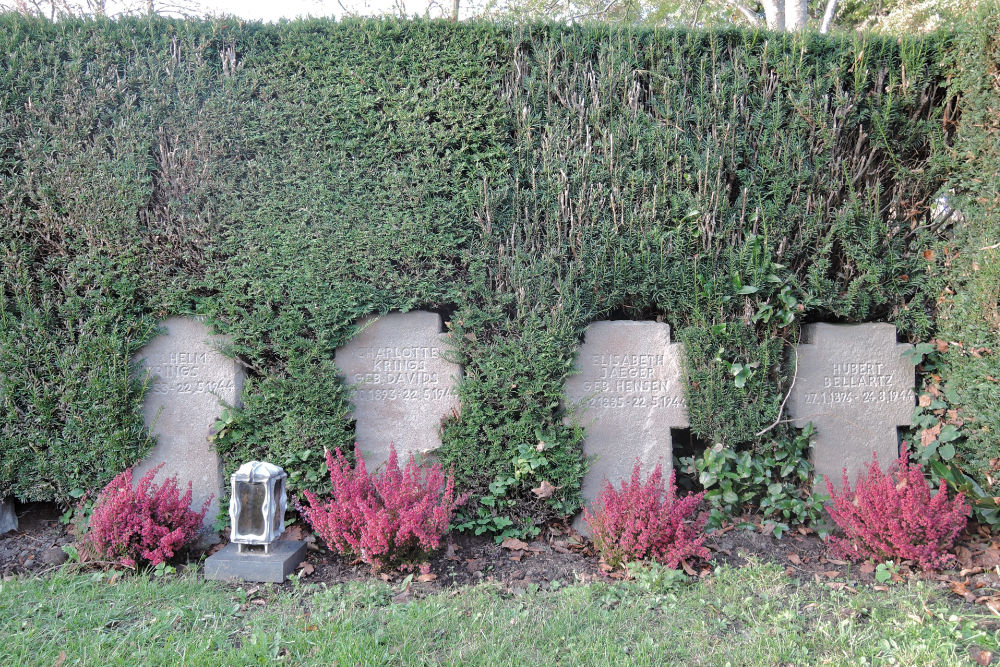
x=251 y=518
x=279 y=491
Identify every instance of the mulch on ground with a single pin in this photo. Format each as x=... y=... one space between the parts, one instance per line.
x=559 y=556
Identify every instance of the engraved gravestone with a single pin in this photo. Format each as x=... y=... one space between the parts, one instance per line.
x=403 y=385
x=854 y=384
x=188 y=379
x=629 y=395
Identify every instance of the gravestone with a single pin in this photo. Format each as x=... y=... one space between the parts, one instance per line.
x=189 y=378
x=854 y=384
x=629 y=395
x=8 y=517
x=403 y=387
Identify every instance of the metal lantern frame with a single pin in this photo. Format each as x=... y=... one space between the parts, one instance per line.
x=257 y=504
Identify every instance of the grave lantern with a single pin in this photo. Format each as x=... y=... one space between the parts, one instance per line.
x=257 y=504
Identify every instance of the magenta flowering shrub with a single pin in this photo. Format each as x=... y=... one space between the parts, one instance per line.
x=644 y=520
x=393 y=520
x=893 y=516
x=148 y=524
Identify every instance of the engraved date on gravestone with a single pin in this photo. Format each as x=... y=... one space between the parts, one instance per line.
x=629 y=381
x=183 y=373
x=859 y=382
x=406 y=373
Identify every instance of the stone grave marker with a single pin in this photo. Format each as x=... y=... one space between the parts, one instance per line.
x=629 y=395
x=8 y=517
x=403 y=385
x=854 y=384
x=189 y=377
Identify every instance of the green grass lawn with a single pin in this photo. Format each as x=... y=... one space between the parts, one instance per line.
x=749 y=615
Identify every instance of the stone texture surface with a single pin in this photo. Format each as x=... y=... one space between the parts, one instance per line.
x=854 y=384
x=228 y=564
x=8 y=517
x=403 y=385
x=189 y=378
x=628 y=394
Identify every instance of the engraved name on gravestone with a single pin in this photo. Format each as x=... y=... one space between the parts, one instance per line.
x=403 y=385
x=629 y=395
x=188 y=379
x=854 y=384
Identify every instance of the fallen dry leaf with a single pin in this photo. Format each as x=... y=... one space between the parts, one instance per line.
x=450 y=552
x=867 y=567
x=545 y=489
x=924 y=401
x=687 y=568
x=960 y=588
x=517 y=556
x=990 y=558
x=61 y=659
x=830 y=574
x=305 y=568
x=293 y=532
x=980 y=656
x=884 y=589
x=794 y=559
x=964 y=555
x=836 y=562
x=474 y=565
x=929 y=435
x=424 y=578
x=514 y=543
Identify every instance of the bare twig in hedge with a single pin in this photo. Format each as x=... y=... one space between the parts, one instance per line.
x=781 y=408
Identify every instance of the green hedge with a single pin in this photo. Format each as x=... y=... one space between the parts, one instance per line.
x=967 y=262
x=286 y=180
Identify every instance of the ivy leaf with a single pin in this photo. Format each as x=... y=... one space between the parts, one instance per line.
x=949 y=433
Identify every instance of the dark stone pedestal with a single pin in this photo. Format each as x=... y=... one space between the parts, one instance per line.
x=230 y=565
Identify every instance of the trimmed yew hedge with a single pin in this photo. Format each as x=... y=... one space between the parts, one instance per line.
x=287 y=180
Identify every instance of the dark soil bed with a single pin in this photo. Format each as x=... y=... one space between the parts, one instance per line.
x=559 y=556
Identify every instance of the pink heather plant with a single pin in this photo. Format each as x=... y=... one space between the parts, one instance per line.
x=148 y=524
x=894 y=516
x=643 y=520
x=391 y=521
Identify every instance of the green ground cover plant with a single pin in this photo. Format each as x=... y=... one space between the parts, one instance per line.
x=284 y=181
x=749 y=615
x=777 y=480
